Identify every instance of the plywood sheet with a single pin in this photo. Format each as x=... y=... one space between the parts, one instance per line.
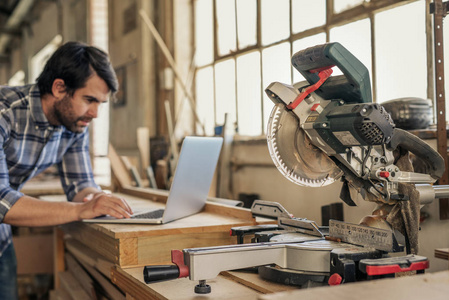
x=131 y=281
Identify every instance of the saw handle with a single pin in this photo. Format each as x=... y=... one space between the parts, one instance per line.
x=421 y=149
x=353 y=87
x=160 y=273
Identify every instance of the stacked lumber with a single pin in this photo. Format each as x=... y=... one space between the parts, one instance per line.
x=87 y=276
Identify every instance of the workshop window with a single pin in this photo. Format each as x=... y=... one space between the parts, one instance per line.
x=359 y=47
x=244 y=45
x=342 y=5
x=204 y=32
x=275 y=21
x=275 y=67
x=401 y=52
x=307 y=14
x=249 y=94
x=225 y=91
x=246 y=14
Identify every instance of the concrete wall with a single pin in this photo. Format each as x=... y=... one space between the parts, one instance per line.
x=133 y=53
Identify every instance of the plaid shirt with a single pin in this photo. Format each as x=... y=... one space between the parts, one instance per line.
x=29 y=145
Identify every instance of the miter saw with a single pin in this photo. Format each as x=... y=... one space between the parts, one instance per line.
x=320 y=131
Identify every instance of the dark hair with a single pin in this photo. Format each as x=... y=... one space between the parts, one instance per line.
x=75 y=62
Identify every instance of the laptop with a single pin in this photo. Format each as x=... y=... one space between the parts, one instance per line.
x=190 y=187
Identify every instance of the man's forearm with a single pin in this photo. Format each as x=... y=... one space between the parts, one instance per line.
x=29 y=211
x=87 y=204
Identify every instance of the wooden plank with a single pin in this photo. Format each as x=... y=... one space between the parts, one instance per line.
x=59 y=294
x=74 y=267
x=225 y=210
x=72 y=286
x=107 y=246
x=148 y=254
x=143 y=144
x=88 y=256
x=118 y=169
x=58 y=257
x=438 y=15
x=418 y=287
x=146 y=193
x=442 y=253
x=131 y=281
x=254 y=281
x=112 y=292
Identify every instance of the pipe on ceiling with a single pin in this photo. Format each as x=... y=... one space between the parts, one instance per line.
x=14 y=21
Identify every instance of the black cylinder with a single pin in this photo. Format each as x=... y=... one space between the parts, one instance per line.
x=160 y=273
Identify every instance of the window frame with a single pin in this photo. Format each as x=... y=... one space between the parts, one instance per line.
x=367 y=10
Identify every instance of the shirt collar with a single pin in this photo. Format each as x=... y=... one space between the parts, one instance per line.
x=37 y=112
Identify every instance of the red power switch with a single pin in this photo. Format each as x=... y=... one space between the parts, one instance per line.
x=384 y=174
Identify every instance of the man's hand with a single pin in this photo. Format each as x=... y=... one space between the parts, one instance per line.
x=100 y=203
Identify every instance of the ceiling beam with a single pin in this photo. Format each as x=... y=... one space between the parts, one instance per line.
x=13 y=32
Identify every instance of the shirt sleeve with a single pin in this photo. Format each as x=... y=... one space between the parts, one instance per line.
x=8 y=196
x=75 y=168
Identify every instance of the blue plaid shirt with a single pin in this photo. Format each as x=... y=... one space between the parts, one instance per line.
x=29 y=145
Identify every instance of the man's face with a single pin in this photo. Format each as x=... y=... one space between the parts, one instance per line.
x=76 y=112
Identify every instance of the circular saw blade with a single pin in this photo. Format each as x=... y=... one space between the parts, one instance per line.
x=293 y=153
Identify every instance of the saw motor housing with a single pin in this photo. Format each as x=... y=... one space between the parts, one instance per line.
x=338 y=117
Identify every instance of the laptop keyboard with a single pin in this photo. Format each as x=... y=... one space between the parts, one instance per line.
x=155 y=214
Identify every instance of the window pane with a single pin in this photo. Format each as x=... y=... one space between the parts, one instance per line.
x=302 y=44
x=359 y=47
x=275 y=67
x=204 y=32
x=205 y=99
x=248 y=94
x=275 y=20
x=401 y=52
x=308 y=14
x=226 y=26
x=225 y=91
x=246 y=23
x=341 y=5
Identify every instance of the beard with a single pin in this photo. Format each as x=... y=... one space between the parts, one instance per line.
x=65 y=115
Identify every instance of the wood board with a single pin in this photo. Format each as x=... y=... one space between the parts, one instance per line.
x=131 y=281
x=442 y=253
x=433 y=286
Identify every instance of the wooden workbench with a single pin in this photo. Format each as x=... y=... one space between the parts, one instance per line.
x=433 y=286
x=228 y=285
x=137 y=245
x=242 y=285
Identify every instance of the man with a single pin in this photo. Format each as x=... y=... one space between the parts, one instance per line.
x=46 y=124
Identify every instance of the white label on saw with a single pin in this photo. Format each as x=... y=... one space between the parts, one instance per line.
x=346 y=138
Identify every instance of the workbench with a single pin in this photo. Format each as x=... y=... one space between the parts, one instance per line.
x=228 y=285
x=241 y=285
x=136 y=245
x=120 y=252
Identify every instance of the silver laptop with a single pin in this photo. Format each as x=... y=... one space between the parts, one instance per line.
x=190 y=186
